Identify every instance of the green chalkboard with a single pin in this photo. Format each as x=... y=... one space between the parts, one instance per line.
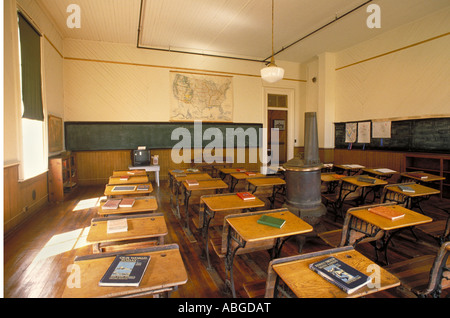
x=81 y=136
x=415 y=135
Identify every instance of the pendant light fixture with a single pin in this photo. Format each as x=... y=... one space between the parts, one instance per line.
x=272 y=73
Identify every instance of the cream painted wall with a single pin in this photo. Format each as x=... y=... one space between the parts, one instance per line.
x=410 y=82
x=106 y=81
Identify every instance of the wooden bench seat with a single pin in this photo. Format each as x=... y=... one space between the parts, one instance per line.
x=439 y=230
x=424 y=276
x=255 y=289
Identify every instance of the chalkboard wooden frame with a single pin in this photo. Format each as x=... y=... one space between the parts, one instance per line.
x=90 y=136
x=413 y=135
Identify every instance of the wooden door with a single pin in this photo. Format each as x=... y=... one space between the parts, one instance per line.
x=278 y=119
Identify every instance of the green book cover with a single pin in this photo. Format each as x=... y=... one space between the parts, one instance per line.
x=271 y=221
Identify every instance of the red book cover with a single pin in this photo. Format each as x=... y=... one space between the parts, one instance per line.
x=387 y=212
x=245 y=196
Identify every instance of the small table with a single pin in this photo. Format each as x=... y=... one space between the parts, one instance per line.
x=245 y=230
x=420 y=177
x=212 y=184
x=132 y=179
x=110 y=192
x=223 y=172
x=154 y=168
x=141 y=204
x=141 y=228
x=226 y=202
x=237 y=176
x=370 y=224
x=421 y=193
x=295 y=273
x=276 y=183
x=165 y=272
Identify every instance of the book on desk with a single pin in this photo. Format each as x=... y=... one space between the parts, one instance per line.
x=192 y=182
x=387 y=212
x=142 y=187
x=364 y=178
x=405 y=188
x=245 y=196
x=123 y=188
x=126 y=203
x=111 y=204
x=271 y=221
x=341 y=274
x=125 y=270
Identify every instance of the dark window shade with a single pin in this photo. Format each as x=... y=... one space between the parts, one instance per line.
x=30 y=50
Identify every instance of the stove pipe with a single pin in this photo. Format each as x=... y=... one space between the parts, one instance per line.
x=303 y=195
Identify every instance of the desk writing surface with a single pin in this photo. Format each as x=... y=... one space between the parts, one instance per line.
x=419 y=190
x=430 y=177
x=141 y=204
x=206 y=185
x=109 y=190
x=411 y=218
x=354 y=180
x=132 y=179
x=251 y=231
x=140 y=172
x=229 y=202
x=139 y=227
x=305 y=283
x=165 y=269
x=231 y=170
x=267 y=181
x=380 y=171
x=243 y=175
x=330 y=177
x=194 y=176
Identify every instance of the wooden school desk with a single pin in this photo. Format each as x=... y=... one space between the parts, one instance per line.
x=348 y=169
x=381 y=173
x=151 y=168
x=427 y=177
x=164 y=273
x=140 y=172
x=244 y=230
x=141 y=228
x=331 y=180
x=213 y=184
x=177 y=180
x=224 y=172
x=110 y=193
x=366 y=187
x=370 y=225
x=141 y=204
x=421 y=193
x=221 y=203
x=276 y=183
x=293 y=275
x=132 y=179
x=237 y=176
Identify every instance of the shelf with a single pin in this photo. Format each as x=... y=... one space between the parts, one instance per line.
x=62 y=176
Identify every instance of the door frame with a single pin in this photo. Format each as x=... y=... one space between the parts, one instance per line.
x=290 y=117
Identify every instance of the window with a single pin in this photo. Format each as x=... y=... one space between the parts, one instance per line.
x=34 y=161
x=276 y=100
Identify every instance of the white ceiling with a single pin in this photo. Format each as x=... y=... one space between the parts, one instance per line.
x=235 y=28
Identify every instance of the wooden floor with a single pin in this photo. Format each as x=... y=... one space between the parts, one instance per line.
x=37 y=255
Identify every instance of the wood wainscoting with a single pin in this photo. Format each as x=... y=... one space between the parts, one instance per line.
x=95 y=167
x=21 y=199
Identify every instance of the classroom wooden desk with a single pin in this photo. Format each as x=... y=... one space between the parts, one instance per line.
x=276 y=183
x=237 y=176
x=141 y=204
x=141 y=228
x=165 y=272
x=245 y=229
x=176 y=185
x=370 y=225
x=179 y=172
x=420 y=176
x=331 y=180
x=381 y=173
x=224 y=172
x=348 y=169
x=364 y=185
x=109 y=190
x=222 y=203
x=149 y=168
x=421 y=193
x=293 y=275
x=139 y=172
x=132 y=179
x=203 y=185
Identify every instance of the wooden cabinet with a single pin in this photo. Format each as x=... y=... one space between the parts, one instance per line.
x=62 y=176
x=437 y=164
